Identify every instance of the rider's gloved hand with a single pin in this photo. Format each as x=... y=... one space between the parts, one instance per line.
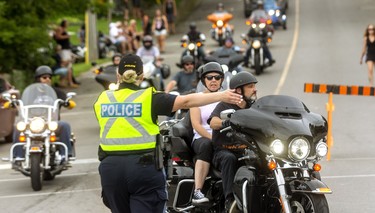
x=225 y=123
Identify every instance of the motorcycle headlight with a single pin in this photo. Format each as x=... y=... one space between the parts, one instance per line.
x=262 y=25
x=253 y=25
x=21 y=126
x=37 y=125
x=277 y=13
x=299 y=149
x=191 y=46
x=271 y=12
x=277 y=147
x=219 y=23
x=256 y=44
x=53 y=126
x=321 y=149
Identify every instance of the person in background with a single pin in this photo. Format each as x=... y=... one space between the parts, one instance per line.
x=116 y=34
x=146 y=24
x=132 y=177
x=186 y=79
x=369 y=50
x=61 y=69
x=134 y=35
x=136 y=9
x=226 y=153
x=126 y=9
x=170 y=10
x=160 y=29
x=62 y=38
x=212 y=77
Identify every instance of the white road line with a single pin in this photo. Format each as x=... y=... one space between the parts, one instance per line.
x=291 y=52
x=347 y=176
x=50 y=193
x=76 y=162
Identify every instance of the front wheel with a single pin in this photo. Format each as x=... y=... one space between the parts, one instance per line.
x=257 y=66
x=309 y=203
x=36 y=172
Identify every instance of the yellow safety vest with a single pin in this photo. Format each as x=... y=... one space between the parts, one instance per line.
x=125 y=120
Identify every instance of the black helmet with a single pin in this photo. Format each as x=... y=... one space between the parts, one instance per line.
x=147 y=41
x=187 y=59
x=210 y=67
x=242 y=79
x=193 y=26
x=43 y=70
x=220 y=6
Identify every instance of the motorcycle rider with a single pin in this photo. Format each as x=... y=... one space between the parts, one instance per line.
x=226 y=152
x=132 y=176
x=220 y=11
x=258 y=14
x=195 y=36
x=212 y=77
x=186 y=79
x=43 y=74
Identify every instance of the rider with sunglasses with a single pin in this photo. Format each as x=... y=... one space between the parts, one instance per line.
x=211 y=76
x=185 y=81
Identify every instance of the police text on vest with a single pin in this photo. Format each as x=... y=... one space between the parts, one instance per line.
x=121 y=110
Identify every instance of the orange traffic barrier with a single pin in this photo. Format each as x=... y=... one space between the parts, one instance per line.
x=339 y=90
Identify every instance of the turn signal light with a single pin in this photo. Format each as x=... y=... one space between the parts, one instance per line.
x=52 y=138
x=199 y=44
x=22 y=138
x=248 y=22
x=6 y=105
x=317 y=167
x=35 y=148
x=269 y=40
x=272 y=165
x=269 y=21
x=184 y=45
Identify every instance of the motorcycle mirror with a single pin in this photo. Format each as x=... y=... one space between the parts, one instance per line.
x=6 y=96
x=71 y=94
x=226 y=114
x=225 y=68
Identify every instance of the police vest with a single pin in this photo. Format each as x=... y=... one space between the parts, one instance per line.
x=125 y=120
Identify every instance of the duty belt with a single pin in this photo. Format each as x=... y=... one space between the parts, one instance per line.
x=234 y=146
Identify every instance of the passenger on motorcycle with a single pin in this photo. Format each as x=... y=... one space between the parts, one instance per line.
x=186 y=79
x=43 y=74
x=194 y=36
x=226 y=152
x=212 y=77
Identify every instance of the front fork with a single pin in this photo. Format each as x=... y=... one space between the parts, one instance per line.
x=282 y=191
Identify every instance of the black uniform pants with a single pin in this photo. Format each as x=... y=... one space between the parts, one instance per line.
x=133 y=184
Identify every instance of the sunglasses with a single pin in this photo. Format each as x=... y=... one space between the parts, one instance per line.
x=189 y=64
x=46 y=77
x=370 y=29
x=210 y=77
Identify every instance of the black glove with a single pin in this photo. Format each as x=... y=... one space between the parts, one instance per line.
x=225 y=123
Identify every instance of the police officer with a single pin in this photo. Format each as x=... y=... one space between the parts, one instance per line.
x=130 y=179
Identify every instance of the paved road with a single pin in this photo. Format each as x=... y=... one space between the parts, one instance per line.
x=322 y=45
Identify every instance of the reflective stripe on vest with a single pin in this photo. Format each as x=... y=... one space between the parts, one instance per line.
x=126 y=125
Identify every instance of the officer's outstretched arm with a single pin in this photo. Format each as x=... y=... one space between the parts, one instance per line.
x=201 y=99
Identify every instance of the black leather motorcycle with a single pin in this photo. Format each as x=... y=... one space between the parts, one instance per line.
x=284 y=141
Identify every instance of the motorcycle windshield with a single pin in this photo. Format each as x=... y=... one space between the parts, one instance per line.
x=39 y=94
x=281 y=117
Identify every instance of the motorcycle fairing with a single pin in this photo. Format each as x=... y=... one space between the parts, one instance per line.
x=314 y=186
x=279 y=117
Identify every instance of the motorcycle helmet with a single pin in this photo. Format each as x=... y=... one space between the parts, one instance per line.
x=210 y=67
x=147 y=42
x=42 y=70
x=116 y=55
x=187 y=59
x=242 y=79
x=220 y=6
x=193 y=26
